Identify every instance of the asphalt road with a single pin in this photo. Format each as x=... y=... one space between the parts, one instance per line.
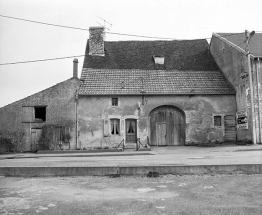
x=219 y=194
x=158 y=156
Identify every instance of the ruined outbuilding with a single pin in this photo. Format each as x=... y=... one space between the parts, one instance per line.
x=156 y=92
x=45 y=120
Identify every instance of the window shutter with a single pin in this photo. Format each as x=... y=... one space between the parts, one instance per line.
x=106 y=127
x=28 y=114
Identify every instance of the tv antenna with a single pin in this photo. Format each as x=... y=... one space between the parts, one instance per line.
x=105 y=23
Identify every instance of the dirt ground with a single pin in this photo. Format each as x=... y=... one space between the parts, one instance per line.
x=219 y=194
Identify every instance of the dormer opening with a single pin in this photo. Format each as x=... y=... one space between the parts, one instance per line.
x=159 y=59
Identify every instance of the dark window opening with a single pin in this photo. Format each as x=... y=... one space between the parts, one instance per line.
x=115 y=127
x=114 y=101
x=40 y=114
x=217 y=120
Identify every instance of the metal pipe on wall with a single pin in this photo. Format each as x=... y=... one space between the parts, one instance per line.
x=258 y=67
x=254 y=139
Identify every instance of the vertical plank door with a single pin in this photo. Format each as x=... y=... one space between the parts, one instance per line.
x=161 y=134
x=230 y=128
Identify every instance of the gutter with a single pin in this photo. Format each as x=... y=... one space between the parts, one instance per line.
x=254 y=139
x=259 y=106
x=76 y=115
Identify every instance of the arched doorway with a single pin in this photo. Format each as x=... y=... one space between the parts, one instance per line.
x=167 y=126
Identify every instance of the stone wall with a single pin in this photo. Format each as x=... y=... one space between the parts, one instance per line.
x=199 y=112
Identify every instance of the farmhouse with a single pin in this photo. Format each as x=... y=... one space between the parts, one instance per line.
x=156 y=92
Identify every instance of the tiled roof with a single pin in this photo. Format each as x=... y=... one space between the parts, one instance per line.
x=180 y=55
x=255 y=44
x=136 y=81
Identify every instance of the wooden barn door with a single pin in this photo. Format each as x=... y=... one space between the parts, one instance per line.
x=161 y=133
x=167 y=126
x=230 y=128
x=35 y=136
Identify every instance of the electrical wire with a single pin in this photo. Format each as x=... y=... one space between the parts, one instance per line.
x=76 y=28
x=60 y=58
x=85 y=29
x=48 y=59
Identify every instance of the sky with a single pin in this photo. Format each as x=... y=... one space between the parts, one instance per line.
x=26 y=41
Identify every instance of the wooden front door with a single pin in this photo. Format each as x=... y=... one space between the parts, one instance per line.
x=167 y=126
x=35 y=136
x=161 y=134
x=230 y=128
x=131 y=131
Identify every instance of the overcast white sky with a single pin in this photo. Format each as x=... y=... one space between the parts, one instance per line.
x=178 y=19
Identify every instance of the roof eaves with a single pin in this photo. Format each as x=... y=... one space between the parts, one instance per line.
x=135 y=94
x=230 y=43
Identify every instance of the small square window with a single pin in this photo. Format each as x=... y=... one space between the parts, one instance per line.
x=114 y=101
x=217 y=121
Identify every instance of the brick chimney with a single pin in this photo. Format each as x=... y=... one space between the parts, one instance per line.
x=75 y=68
x=96 y=41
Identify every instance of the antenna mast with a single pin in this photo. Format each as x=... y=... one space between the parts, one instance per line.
x=105 y=23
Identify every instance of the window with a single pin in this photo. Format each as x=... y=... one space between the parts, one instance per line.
x=114 y=101
x=40 y=114
x=217 y=121
x=115 y=129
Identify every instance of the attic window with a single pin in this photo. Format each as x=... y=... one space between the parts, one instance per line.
x=159 y=59
x=40 y=114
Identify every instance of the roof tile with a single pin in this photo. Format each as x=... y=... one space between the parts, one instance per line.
x=179 y=54
x=135 y=81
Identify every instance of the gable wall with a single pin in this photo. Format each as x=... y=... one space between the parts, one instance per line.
x=60 y=110
x=199 y=111
x=234 y=65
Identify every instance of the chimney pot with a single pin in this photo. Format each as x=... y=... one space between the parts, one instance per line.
x=75 y=68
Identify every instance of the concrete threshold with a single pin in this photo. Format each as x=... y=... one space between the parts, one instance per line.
x=45 y=171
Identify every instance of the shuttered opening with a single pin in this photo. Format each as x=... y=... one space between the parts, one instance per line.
x=230 y=128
